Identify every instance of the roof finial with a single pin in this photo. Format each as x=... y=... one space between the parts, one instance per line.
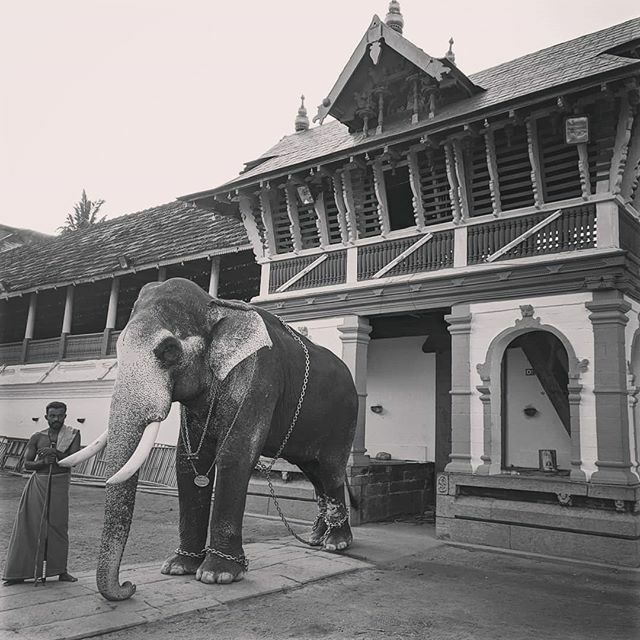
x=394 y=19
x=302 y=121
x=450 y=56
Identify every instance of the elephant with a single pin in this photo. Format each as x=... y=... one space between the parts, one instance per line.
x=245 y=381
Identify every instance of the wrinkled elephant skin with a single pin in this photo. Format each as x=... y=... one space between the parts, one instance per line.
x=243 y=368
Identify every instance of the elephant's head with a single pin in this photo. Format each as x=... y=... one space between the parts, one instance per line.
x=176 y=342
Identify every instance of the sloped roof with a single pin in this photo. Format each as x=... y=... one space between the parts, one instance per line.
x=11 y=237
x=164 y=234
x=561 y=64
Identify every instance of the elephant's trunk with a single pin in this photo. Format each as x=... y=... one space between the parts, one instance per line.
x=127 y=423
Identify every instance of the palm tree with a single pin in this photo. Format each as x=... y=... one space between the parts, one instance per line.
x=85 y=214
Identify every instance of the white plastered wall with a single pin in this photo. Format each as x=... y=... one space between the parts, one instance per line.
x=401 y=380
x=633 y=378
x=528 y=434
x=85 y=387
x=568 y=315
x=323 y=332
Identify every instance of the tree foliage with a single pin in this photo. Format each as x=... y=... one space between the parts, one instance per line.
x=85 y=214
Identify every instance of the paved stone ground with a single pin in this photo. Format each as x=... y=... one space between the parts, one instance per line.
x=79 y=611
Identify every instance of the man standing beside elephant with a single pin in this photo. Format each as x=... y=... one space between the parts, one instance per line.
x=43 y=514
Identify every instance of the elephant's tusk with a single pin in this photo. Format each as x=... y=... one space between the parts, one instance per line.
x=84 y=454
x=139 y=455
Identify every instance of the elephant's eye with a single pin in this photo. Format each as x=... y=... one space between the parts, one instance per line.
x=168 y=351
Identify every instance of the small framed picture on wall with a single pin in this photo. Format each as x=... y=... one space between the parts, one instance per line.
x=547 y=460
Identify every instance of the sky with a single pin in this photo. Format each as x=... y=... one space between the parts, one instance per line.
x=142 y=101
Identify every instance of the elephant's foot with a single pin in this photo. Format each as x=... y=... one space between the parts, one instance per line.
x=181 y=563
x=337 y=535
x=218 y=568
x=319 y=529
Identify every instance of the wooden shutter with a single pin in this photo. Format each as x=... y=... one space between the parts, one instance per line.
x=281 y=223
x=514 y=168
x=366 y=203
x=434 y=186
x=478 y=189
x=558 y=162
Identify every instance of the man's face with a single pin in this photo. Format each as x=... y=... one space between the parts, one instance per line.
x=55 y=418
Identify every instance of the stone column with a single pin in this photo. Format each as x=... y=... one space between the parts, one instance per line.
x=354 y=333
x=112 y=313
x=66 y=320
x=214 y=277
x=30 y=326
x=609 y=318
x=460 y=329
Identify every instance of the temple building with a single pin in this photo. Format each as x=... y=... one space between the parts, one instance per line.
x=65 y=299
x=470 y=246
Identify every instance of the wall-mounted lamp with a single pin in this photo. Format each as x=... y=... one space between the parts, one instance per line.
x=304 y=193
x=124 y=261
x=303 y=331
x=35 y=419
x=4 y=286
x=530 y=411
x=81 y=420
x=377 y=408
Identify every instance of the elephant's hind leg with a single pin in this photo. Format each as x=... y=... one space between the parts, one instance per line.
x=331 y=528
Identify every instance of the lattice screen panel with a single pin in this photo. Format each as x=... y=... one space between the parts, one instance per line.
x=602 y=135
x=478 y=189
x=366 y=203
x=434 y=186
x=281 y=224
x=331 y=210
x=559 y=162
x=514 y=168
x=308 y=225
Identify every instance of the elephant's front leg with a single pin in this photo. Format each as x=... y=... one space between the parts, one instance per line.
x=195 y=506
x=225 y=560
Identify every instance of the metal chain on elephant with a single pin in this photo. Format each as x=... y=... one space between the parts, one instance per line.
x=266 y=469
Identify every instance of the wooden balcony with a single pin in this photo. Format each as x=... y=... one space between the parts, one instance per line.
x=515 y=236
x=89 y=346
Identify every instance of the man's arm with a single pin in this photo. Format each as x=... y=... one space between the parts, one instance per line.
x=30 y=453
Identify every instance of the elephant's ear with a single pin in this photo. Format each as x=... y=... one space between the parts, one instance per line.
x=238 y=332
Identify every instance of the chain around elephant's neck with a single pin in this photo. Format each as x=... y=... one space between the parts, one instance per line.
x=203 y=480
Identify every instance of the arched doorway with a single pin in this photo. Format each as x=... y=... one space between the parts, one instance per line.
x=535 y=411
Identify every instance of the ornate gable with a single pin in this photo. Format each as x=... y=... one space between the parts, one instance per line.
x=388 y=79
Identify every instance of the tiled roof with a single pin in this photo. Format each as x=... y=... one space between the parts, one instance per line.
x=555 y=66
x=160 y=234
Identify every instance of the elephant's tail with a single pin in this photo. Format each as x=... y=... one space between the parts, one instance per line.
x=352 y=498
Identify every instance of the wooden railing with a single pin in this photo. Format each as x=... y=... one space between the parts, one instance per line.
x=84 y=346
x=629 y=233
x=332 y=271
x=47 y=350
x=574 y=229
x=11 y=353
x=437 y=253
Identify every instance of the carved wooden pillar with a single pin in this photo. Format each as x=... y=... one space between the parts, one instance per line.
x=162 y=274
x=463 y=198
x=267 y=220
x=350 y=202
x=621 y=146
x=294 y=219
x=338 y=194
x=460 y=329
x=492 y=164
x=609 y=318
x=583 y=168
x=247 y=204
x=534 y=160
x=453 y=182
x=381 y=196
x=354 y=333
x=416 y=189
